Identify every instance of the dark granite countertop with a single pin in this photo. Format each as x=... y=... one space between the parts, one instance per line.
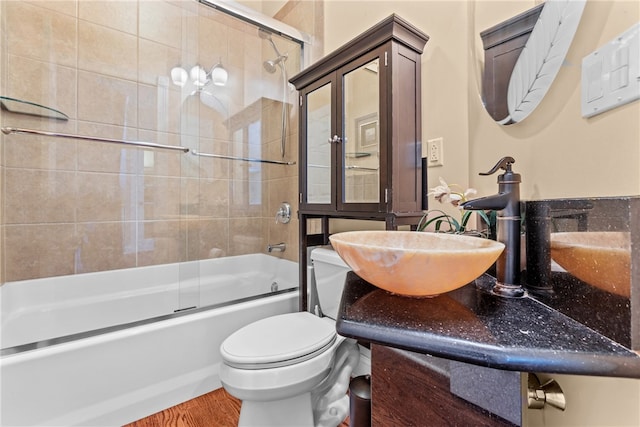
x=472 y=325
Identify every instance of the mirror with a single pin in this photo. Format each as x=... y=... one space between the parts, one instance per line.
x=318 y=149
x=523 y=55
x=361 y=148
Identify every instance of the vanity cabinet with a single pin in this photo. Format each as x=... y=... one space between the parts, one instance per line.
x=407 y=389
x=360 y=133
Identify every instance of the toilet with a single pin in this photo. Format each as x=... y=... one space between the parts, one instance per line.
x=294 y=369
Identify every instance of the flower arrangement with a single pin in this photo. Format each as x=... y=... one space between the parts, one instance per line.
x=445 y=223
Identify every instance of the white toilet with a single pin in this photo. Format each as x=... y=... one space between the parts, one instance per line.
x=293 y=369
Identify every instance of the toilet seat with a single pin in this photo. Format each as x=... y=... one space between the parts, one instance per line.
x=278 y=341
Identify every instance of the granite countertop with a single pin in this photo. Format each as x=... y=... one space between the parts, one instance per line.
x=472 y=325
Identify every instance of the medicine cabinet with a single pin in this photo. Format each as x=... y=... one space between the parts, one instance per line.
x=360 y=132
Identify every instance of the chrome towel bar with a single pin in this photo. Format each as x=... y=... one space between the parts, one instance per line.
x=244 y=159
x=10 y=130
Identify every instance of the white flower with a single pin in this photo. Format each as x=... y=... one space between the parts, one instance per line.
x=443 y=193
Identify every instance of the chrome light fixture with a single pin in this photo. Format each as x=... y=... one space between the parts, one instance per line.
x=199 y=77
x=219 y=74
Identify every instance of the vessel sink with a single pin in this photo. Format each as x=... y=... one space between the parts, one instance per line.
x=417 y=264
x=602 y=259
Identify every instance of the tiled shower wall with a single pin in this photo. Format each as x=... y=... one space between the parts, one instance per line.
x=74 y=206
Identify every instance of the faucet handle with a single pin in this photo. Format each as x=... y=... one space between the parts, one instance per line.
x=504 y=164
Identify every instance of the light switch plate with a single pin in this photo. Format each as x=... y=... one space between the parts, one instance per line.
x=435 y=152
x=611 y=74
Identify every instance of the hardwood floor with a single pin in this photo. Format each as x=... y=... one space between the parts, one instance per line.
x=215 y=409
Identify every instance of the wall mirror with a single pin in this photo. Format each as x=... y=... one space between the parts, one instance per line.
x=522 y=56
x=318 y=149
x=361 y=147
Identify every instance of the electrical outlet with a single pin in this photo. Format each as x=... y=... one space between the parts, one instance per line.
x=435 y=154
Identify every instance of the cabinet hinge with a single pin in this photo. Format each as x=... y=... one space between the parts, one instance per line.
x=386 y=59
x=301 y=100
x=300 y=197
x=386 y=195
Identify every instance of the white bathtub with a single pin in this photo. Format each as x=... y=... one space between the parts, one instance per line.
x=123 y=374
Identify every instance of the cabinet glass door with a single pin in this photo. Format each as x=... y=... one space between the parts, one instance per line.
x=319 y=169
x=361 y=130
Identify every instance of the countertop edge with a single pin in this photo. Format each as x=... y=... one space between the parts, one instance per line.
x=510 y=359
x=614 y=360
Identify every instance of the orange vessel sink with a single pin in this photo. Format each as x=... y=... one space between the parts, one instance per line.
x=417 y=264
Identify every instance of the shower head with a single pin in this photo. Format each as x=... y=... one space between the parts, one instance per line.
x=270 y=65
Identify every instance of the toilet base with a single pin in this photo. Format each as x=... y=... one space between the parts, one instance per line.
x=294 y=411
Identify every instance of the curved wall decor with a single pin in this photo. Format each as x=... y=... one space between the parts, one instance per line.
x=542 y=57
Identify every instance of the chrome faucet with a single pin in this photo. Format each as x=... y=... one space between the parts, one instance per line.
x=507 y=203
x=278 y=247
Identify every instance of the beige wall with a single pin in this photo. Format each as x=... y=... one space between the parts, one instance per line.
x=558 y=153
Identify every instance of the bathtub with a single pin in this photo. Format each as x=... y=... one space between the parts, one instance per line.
x=112 y=347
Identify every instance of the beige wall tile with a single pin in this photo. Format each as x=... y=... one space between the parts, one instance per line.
x=39 y=152
x=153 y=12
x=107 y=100
x=213 y=39
x=106 y=157
x=247 y=199
x=190 y=164
x=120 y=15
x=159 y=197
x=36 y=196
x=27 y=26
x=207 y=238
x=211 y=167
x=106 y=197
x=213 y=200
x=107 y=51
x=291 y=155
x=39 y=250
x=161 y=162
x=247 y=236
x=117 y=197
x=287 y=233
x=189 y=116
x=213 y=112
x=281 y=190
x=68 y=7
x=157 y=60
x=161 y=242
x=43 y=83
x=162 y=107
x=106 y=246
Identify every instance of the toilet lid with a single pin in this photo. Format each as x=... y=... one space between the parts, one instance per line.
x=278 y=341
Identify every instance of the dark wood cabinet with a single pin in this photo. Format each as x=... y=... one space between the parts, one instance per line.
x=408 y=389
x=360 y=133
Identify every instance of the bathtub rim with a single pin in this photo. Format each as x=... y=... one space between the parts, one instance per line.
x=9 y=351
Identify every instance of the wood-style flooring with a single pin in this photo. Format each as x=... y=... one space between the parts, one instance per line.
x=215 y=409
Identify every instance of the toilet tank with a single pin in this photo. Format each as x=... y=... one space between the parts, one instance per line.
x=330 y=272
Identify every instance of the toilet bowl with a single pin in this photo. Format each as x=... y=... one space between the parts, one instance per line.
x=294 y=369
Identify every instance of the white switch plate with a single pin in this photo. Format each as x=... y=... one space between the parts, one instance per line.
x=611 y=74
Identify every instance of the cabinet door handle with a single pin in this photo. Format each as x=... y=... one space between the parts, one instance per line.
x=335 y=139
